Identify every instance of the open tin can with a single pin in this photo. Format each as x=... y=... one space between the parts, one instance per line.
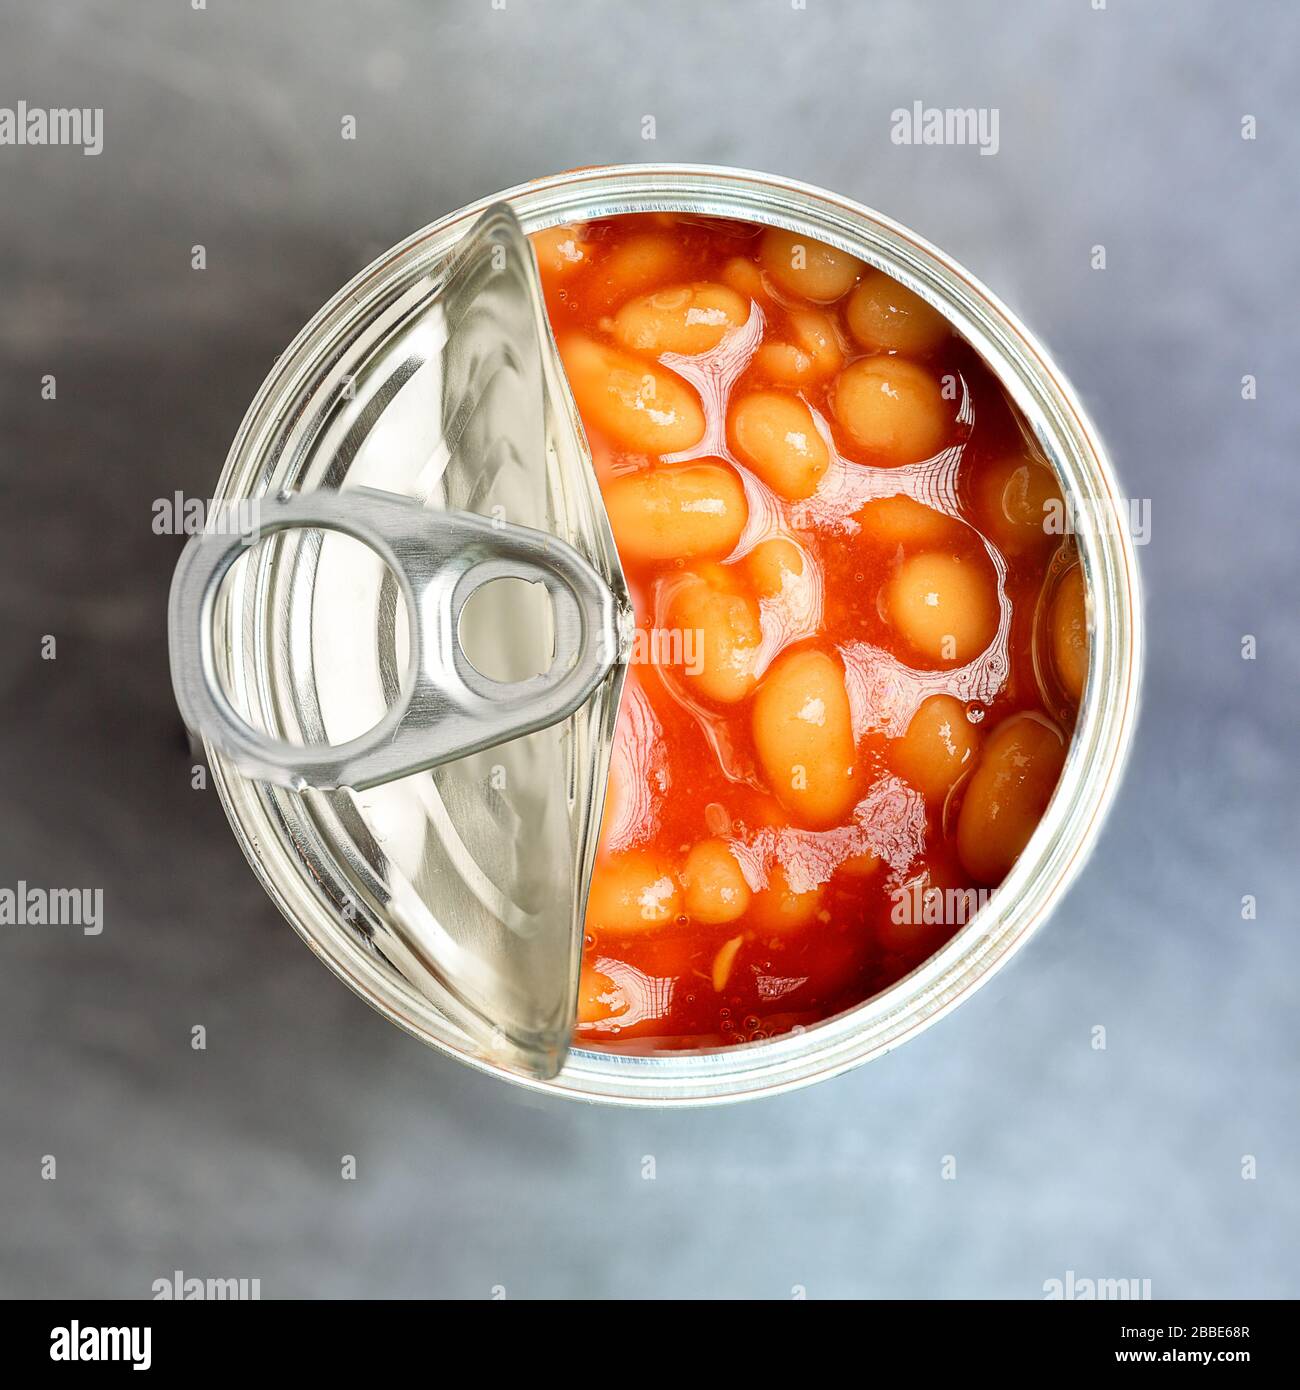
x=352 y=873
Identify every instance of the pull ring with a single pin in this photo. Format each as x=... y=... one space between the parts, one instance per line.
x=447 y=708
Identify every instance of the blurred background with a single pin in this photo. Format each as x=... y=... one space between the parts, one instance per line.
x=1119 y=126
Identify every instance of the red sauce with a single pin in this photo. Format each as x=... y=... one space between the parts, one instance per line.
x=861 y=640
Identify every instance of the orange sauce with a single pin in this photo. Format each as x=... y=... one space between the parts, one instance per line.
x=861 y=640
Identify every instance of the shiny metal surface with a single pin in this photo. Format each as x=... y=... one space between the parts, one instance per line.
x=490 y=345
x=297 y=859
x=446 y=708
x=453 y=893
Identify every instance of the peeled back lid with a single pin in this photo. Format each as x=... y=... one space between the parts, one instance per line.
x=460 y=799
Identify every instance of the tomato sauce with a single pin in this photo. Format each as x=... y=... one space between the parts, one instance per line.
x=861 y=635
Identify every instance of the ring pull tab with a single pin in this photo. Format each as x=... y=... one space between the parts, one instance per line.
x=447 y=708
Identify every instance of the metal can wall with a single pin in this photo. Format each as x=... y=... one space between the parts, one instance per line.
x=323 y=866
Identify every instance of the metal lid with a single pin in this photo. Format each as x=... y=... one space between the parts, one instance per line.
x=467 y=796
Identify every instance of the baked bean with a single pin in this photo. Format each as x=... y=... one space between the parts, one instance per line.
x=810 y=354
x=1017 y=498
x=724 y=626
x=927 y=908
x=803 y=734
x=884 y=316
x=632 y=891
x=561 y=250
x=639 y=405
x=778 y=908
x=785 y=364
x=1007 y=794
x=638 y=264
x=939 y=745
x=715 y=889
x=1070 y=632
x=905 y=521
x=599 y=998
x=686 y=319
x=775 y=435
x=678 y=510
x=724 y=961
x=807 y=268
x=946 y=607
x=893 y=408
x=744 y=277
x=773 y=564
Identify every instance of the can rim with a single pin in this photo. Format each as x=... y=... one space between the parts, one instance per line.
x=272 y=839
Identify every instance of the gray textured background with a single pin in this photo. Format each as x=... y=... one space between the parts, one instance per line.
x=1118 y=127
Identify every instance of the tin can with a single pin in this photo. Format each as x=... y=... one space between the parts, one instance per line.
x=318 y=866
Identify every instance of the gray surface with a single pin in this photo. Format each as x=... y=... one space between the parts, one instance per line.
x=222 y=127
